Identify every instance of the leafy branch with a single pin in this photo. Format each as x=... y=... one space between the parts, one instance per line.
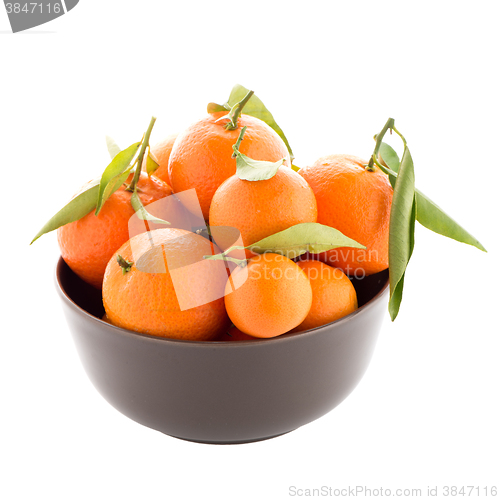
x=408 y=205
x=235 y=111
x=95 y=194
x=253 y=170
x=295 y=241
x=254 y=107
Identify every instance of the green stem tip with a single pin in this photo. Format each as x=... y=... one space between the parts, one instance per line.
x=140 y=157
x=379 y=137
x=389 y=125
x=235 y=111
x=124 y=264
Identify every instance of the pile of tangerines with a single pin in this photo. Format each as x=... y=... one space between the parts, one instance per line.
x=260 y=294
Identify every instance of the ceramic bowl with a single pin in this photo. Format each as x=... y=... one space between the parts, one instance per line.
x=223 y=392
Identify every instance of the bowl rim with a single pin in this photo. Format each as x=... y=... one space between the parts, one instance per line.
x=215 y=343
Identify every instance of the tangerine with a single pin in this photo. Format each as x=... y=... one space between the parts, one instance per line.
x=201 y=157
x=263 y=207
x=333 y=295
x=164 y=270
x=162 y=150
x=87 y=244
x=357 y=202
x=268 y=297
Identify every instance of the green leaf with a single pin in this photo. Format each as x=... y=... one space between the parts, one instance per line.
x=295 y=168
x=81 y=204
x=428 y=213
x=431 y=216
x=401 y=233
x=215 y=108
x=389 y=157
x=151 y=163
x=305 y=237
x=112 y=147
x=142 y=213
x=396 y=298
x=226 y=258
x=254 y=107
x=112 y=178
x=248 y=169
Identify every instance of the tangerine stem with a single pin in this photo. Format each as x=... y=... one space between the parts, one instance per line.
x=236 y=110
x=386 y=170
x=138 y=167
x=124 y=264
x=389 y=125
x=235 y=147
x=400 y=135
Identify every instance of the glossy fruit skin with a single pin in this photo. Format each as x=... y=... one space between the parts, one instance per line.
x=261 y=208
x=333 y=295
x=145 y=301
x=357 y=202
x=273 y=297
x=87 y=244
x=162 y=150
x=201 y=157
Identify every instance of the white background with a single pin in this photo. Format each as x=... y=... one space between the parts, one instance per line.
x=427 y=412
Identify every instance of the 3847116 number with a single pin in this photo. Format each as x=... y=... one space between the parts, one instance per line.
x=32 y=7
x=467 y=491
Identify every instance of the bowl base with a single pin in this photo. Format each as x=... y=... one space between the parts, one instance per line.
x=243 y=441
x=223 y=392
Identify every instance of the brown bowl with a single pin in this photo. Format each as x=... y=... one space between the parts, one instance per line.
x=223 y=392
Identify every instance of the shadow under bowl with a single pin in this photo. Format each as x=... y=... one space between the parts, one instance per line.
x=223 y=392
